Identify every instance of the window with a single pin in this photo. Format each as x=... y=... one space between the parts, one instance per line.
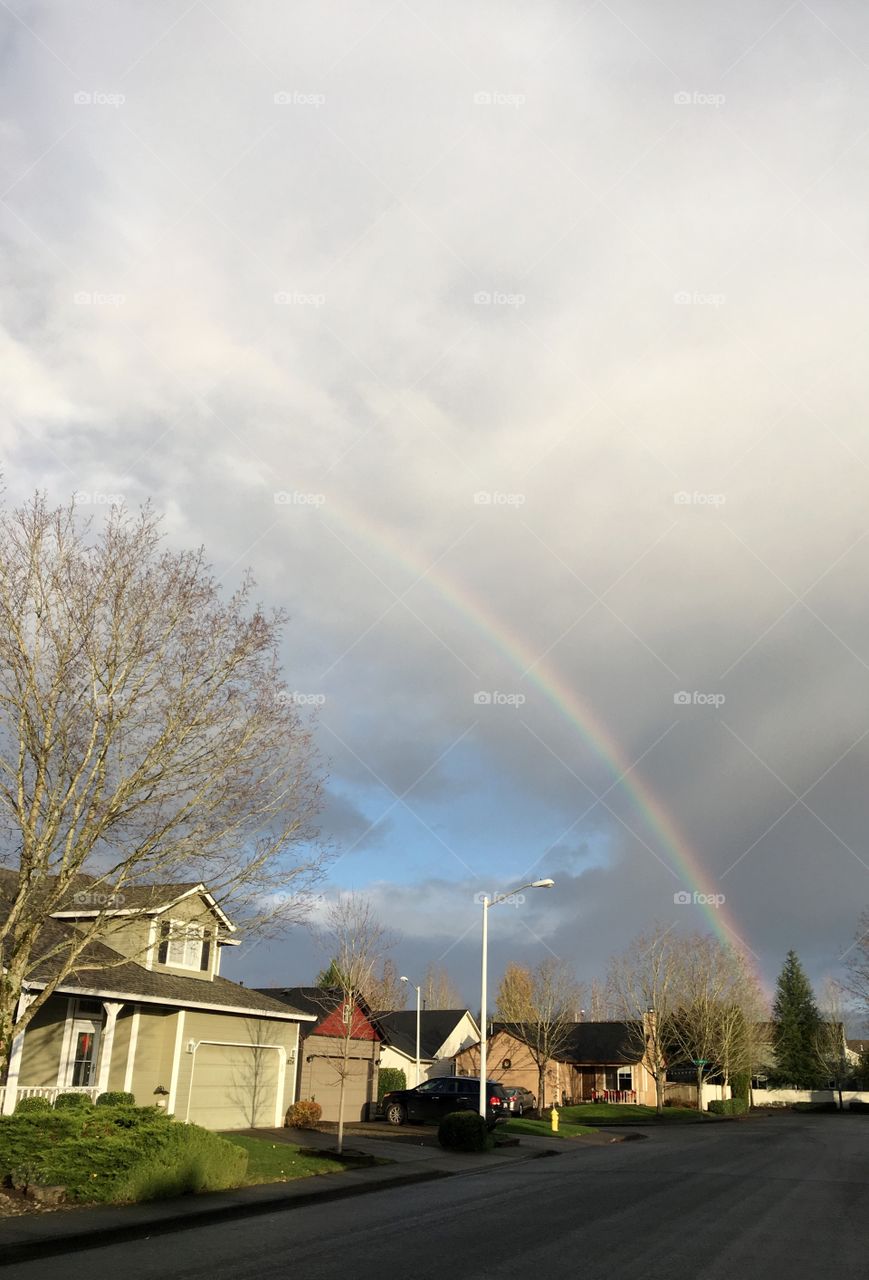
x=184 y=946
x=626 y=1079
x=79 y=1067
x=84 y=1059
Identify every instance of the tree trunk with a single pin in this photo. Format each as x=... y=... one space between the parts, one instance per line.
x=699 y=1088
x=659 y=1092
x=341 y=1111
x=541 y=1087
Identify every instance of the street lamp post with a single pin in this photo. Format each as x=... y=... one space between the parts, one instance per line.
x=413 y=984
x=484 y=985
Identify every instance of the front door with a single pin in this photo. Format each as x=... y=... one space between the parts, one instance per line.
x=82 y=1068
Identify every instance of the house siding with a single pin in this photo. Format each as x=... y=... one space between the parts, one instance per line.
x=40 y=1059
x=153 y=1064
x=120 y=1048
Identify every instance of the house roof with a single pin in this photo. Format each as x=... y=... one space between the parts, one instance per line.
x=82 y=900
x=588 y=1043
x=316 y=1001
x=435 y=1026
x=102 y=972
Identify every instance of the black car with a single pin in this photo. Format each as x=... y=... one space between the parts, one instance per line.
x=434 y=1099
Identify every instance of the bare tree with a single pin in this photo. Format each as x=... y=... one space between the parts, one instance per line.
x=438 y=990
x=540 y=1007
x=146 y=736
x=600 y=1002
x=357 y=942
x=830 y=1047
x=387 y=991
x=706 y=1026
x=856 y=982
x=644 y=986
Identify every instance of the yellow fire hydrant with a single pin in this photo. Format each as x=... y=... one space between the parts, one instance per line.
x=554 y=1119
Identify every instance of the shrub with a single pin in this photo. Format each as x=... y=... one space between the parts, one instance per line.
x=728 y=1107
x=464 y=1131
x=32 y=1104
x=116 y=1154
x=116 y=1099
x=389 y=1079
x=304 y=1115
x=72 y=1102
x=740 y=1086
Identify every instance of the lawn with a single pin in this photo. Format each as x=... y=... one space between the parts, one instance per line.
x=624 y=1112
x=280 y=1161
x=543 y=1128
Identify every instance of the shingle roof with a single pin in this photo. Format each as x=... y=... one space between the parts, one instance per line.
x=588 y=1043
x=435 y=1025
x=319 y=1001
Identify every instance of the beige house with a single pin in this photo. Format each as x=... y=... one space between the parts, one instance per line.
x=597 y=1060
x=147 y=1011
x=442 y=1034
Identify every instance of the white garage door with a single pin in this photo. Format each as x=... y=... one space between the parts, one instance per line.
x=234 y=1086
x=326 y=1088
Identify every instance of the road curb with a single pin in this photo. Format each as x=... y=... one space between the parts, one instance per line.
x=193 y=1216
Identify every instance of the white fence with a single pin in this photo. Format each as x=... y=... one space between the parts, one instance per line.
x=785 y=1097
x=44 y=1091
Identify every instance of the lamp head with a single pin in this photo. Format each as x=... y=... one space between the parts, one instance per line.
x=403 y=979
x=542 y=884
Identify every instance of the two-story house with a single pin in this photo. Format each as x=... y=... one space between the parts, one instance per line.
x=146 y=1010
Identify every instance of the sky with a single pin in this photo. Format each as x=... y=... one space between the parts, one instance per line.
x=517 y=350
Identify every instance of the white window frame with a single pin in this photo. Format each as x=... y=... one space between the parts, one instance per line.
x=186 y=932
x=79 y=1022
x=629 y=1071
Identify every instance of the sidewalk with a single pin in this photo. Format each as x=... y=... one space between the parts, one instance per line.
x=68 y=1230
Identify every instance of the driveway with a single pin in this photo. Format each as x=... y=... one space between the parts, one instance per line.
x=742 y=1201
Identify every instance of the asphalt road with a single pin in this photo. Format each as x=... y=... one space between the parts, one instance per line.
x=788 y=1195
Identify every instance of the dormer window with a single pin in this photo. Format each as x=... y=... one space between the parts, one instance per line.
x=184 y=945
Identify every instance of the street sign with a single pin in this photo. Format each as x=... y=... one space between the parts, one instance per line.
x=700 y=1062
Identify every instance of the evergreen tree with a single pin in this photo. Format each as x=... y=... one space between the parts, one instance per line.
x=796 y=1028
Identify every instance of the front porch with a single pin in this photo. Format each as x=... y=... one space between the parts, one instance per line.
x=49 y=1092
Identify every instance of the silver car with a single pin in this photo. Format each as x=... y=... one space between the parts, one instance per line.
x=519 y=1100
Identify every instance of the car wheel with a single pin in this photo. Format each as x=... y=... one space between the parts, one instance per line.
x=396 y=1113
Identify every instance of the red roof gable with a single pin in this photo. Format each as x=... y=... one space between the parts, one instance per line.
x=333 y=1025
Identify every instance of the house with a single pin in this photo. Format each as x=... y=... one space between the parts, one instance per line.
x=442 y=1034
x=321 y=1059
x=147 y=1011
x=596 y=1060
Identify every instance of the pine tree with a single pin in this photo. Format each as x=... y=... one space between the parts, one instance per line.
x=796 y=1027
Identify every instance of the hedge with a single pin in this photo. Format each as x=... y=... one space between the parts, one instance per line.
x=72 y=1102
x=464 y=1131
x=303 y=1114
x=32 y=1104
x=115 y=1154
x=116 y=1098
x=389 y=1079
x=728 y=1107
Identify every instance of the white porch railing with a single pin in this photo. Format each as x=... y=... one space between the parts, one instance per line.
x=46 y=1091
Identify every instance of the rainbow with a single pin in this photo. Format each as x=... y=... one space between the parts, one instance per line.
x=681 y=860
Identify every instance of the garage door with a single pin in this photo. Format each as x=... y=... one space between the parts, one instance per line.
x=234 y=1086
x=326 y=1088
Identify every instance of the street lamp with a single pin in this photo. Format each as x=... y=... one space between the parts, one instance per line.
x=498 y=897
x=412 y=984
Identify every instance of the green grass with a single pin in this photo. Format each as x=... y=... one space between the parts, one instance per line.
x=543 y=1129
x=607 y=1112
x=280 y=1161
